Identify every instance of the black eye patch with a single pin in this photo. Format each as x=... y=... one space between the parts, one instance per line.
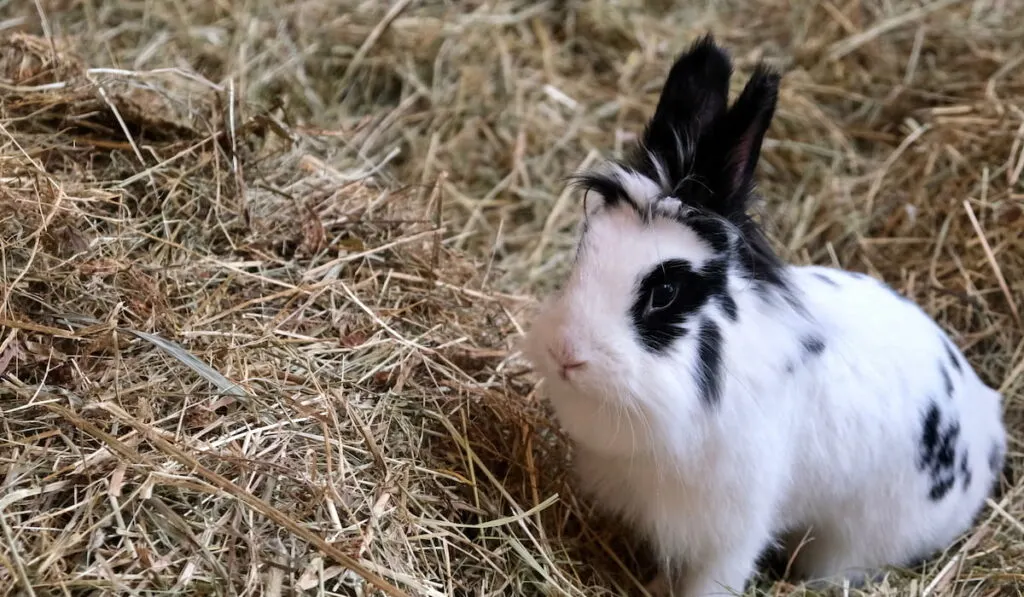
x=670 y=294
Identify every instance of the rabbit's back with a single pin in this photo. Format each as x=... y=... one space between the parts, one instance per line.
x=900 y=434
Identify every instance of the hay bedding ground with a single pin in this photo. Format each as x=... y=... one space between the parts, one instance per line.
x=263 y=264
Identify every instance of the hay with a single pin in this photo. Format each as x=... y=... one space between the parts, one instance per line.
x=262 y=267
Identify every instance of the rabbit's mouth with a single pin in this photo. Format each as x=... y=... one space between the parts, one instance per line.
x=584 y=383
x=600 y=420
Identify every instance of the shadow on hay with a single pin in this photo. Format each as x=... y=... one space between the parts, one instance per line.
x=515 y=444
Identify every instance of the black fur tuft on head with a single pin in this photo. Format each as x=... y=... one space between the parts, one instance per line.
x=704 y=152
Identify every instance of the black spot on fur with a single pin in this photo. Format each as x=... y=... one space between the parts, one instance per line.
x=929 y=435
x=793 y=300
x=995 y=458
x=729 y=306
x=940 y=488
x=710 y=230
x=763 y=291
x=709 y=363
x=937 y=455
x=1001 y=468
x=947 y=381
x=951 y=353
x=813 y=345
x=715 y=272
x=965 y=470
x=825 y=279
x=852 y=274
x=786 y=297
x=657 y=329
x=757 y=262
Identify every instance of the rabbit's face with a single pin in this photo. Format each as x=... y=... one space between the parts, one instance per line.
x=641 y=273
x=618 y=334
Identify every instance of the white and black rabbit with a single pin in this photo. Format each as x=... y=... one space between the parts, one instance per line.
x=724 y=401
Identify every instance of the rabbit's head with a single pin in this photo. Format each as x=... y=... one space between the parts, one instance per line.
x=665 y=242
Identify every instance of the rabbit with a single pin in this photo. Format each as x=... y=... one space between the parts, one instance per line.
x=723 y=402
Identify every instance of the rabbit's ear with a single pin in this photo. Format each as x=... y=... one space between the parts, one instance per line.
x=695 y=94
x=736 y=144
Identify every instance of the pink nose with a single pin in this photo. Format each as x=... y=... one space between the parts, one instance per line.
x=566 y=360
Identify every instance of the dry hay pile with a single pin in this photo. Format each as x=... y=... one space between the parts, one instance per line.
x=262 y=263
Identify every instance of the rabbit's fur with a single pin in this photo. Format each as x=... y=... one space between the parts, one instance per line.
x=723 y=401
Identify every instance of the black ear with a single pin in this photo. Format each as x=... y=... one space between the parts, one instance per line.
x=729 y=156
x=695 y=94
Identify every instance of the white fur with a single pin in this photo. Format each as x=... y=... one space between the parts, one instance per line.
x=828 y=446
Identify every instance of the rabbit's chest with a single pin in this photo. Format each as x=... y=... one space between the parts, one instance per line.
x=656 y=490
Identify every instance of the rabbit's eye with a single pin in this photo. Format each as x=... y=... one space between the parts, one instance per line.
x=662 y=295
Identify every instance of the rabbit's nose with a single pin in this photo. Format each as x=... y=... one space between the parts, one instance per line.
x=566 y=359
